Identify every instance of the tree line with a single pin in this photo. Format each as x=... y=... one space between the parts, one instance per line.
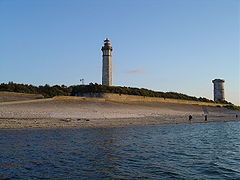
x=56 y=90
x=50 y=91
x=46 y=90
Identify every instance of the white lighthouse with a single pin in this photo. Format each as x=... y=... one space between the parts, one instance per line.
x=218 y=89
x=107 y=63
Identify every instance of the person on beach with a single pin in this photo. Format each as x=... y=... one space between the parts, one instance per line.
x=205 y=117
x=190 y=117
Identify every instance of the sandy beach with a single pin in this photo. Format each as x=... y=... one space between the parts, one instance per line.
x=61 y=113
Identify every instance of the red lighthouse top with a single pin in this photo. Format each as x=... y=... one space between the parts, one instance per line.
x=107 y=45
x=106 y=40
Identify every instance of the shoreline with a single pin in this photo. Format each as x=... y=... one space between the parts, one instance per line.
x=113 y=126
x=83 y=123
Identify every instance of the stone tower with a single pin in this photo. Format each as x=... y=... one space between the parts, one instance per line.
x=218 y=89
x=107 y=63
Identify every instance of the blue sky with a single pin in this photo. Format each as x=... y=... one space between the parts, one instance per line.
x=164 y=45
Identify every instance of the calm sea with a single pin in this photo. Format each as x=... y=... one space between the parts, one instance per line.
x=186 y=151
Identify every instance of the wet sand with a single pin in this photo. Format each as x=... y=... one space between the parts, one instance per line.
x=54 y=113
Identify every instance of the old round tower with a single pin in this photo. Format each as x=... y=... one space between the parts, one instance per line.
x=107 y=63
x=218 y=89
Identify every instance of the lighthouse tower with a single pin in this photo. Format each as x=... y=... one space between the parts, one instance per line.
x=218 y=90
x=107 y=63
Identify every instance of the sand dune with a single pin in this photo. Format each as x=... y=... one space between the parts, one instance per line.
x=12 y=96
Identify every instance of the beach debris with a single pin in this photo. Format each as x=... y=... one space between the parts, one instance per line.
x=190 y=117
x=66 y=120
x=205 y=117
x=83 y=119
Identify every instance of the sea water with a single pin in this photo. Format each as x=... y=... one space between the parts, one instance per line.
x=186 y=151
